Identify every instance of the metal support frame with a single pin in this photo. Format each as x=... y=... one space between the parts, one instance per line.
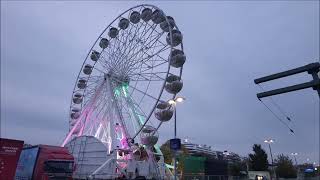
x=271 y=159
x=175 y=136
x=312 y=68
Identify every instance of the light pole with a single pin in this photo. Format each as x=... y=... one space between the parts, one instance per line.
x=295 y=159
x=173 y=102
x=269 y=141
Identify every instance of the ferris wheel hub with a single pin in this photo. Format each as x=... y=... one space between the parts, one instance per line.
x=117 y=78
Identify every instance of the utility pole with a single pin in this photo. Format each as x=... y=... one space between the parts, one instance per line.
x=312 y=68
x=175 y=143
x=269 y=141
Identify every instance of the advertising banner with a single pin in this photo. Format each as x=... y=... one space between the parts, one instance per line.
x=9 y=155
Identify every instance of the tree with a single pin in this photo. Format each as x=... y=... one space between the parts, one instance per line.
x=168 y=154
x=285 y=168
x=236 y=167
x=258 y=161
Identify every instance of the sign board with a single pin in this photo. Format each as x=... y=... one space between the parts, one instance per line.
x=175 y=144
x=9 y=155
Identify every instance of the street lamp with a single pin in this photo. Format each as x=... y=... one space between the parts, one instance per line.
x=269 y=141
x=295 y=159
x=173 y=102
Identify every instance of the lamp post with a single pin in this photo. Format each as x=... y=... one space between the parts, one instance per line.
x=295 y=159
x=173 y=102
x=269 y=141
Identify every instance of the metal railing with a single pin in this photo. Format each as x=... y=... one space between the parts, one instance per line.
x=210 y=177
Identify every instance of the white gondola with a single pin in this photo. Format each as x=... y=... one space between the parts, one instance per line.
x=123 y=23
x=165 y=25
x=176 y=38
x=94 y=55
x=174 y=84
x=81 y=84
x=104 y=43
x=87 y=69
x=113 y=32
x=146 y=14
x=149 y=136
x=135 y=17
x=163 y=111
x=75 y=113
x=177 y=58
x=157 y=17
x=77 y=98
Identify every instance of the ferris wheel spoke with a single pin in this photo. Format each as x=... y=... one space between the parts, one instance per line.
x=138 y=106
x=92 y=91
x=132 y=47
x=138 y=38
x=140 y=49
x=133 y=38
x=144 y=46
x=153 y=54
x=143 y=60
x=162 y=72
x=147 y=58
x=127 y=36
x=153 y=66
x=136 y=110
x=135 y=115
x=104 y=62
x=129 y=109
x=148 y=77
x=101 y=71
x=104 y=108
x=152 y=97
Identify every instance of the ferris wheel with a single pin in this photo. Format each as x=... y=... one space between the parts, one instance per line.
x=122 y=90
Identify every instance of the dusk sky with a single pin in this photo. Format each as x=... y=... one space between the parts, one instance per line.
x=228 y=44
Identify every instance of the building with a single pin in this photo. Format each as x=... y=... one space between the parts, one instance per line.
x=215 y=162
x=197 y=149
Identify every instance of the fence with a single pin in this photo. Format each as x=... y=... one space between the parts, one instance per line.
x=207 y=177
x=210 y=177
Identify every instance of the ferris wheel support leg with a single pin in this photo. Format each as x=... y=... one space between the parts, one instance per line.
x=70 y=134
x=118 y=112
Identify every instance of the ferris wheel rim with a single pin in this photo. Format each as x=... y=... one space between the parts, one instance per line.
x=167 y=71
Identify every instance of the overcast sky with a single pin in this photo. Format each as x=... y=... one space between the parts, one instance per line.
x=228 y=44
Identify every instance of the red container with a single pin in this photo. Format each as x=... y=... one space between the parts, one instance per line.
x=9 y=155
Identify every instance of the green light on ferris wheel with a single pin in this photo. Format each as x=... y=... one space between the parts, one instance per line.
x=124 y=88
x=116 y=92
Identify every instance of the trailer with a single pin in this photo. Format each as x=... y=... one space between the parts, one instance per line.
x=44 y=162
x=10 y=150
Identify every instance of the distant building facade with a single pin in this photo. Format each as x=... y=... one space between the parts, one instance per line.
x=199 y=150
